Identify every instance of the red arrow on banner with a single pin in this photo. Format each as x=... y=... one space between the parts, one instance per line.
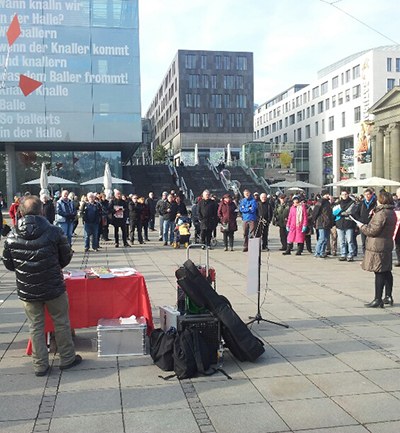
x=13 y=31
x=28 y=85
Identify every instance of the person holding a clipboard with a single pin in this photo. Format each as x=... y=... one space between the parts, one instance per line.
x=378 y=248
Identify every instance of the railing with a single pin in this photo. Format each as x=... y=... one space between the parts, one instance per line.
x=228 y=184
x=213 y=169
x=173 y=172
x=259 y=180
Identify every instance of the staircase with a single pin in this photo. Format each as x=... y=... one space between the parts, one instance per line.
x=246 y=181
x=146 y=178
x=198 y=178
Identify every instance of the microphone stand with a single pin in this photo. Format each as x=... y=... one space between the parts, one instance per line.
x=258 y=317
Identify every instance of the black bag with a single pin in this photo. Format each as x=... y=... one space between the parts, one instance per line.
x=162 y=348
x=191 y=354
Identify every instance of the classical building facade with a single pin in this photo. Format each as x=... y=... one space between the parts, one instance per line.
x=385 y=136
x=205 y=99
x=332 y=114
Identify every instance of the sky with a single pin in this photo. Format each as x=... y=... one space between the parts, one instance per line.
x=291 y=39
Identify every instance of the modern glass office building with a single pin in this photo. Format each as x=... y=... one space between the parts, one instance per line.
x=87 y=110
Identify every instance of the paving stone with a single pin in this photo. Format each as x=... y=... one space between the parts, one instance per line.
x=110 y=422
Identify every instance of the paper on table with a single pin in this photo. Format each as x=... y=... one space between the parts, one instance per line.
x=123 y=272
x=74 y=273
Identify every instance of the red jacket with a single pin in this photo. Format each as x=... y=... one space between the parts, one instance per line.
x=227 y=214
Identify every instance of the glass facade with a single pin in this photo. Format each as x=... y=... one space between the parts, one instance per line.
x=78 y=166
x=278 y=161
x=86 y=54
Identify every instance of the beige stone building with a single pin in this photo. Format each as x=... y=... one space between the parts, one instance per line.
x=385 y=136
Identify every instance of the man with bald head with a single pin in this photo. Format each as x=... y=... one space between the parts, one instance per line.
x=37 y=251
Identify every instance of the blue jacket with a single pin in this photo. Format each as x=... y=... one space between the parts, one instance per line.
x=248 y=209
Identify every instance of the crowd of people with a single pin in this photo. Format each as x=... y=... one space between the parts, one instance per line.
x=40 y=245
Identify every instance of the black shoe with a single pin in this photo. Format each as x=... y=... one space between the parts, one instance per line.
x=147 y=240
x=226 y=249
x=286 y=253
x=160 y=238
x=86 y=250
x=324 y=256
x=376 y=303
x=165 y=244
x=388 y=300
x=282 y=249
x=298 y=253
x=42 y=373
x=76 y=361
x=245 y=250
x=397 y=264
x=126 y=245
x=231 y=248
x=116 y=245
x=310 y=251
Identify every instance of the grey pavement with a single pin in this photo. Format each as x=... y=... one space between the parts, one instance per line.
x=335 y=369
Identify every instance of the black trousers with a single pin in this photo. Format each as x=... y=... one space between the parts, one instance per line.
x=206 y=235
x=383 y=280
x=228 y=236
x=124 y=233
x=283 y=237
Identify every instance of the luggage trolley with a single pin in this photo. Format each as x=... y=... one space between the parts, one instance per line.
x=184 y=304
x=195 y=317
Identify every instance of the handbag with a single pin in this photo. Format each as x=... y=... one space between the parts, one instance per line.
x=224 y=227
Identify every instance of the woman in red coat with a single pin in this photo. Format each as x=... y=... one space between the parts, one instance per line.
x=296 y=226
x=227 y=214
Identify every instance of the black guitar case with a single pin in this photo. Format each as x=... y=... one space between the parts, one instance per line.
x=237 y=336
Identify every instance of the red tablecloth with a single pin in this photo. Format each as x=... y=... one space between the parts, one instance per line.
x=91 y=299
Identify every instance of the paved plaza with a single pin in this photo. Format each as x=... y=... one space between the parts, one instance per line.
x=335 y=369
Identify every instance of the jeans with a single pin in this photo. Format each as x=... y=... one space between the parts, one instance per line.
x=346 y=242
x=320 y=247
x=161 y=226
x=91 y=230
x=58 y=310
x=168 y=231
x=67 y=228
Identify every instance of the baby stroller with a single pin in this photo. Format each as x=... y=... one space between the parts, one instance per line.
x=182 y=231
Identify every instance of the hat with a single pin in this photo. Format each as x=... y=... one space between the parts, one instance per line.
x=165 y=193
x=324 y=192
x=296 y=197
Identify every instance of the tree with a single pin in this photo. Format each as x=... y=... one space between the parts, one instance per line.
x=286 y=159
x=159 y=154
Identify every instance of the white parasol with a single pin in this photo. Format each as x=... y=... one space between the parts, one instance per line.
x=44 y=181
x=107 y=181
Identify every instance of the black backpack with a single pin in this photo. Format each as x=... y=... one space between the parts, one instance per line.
x=191 y=354
x=162 y=347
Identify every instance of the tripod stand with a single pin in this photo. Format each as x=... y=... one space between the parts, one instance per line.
x=258 y=317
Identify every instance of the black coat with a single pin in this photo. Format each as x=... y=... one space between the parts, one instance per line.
x=135 y=211
x=364 y=210
x=265 y=210
x=169 y=210
x=347 y=207
x=208 y=214
x=49 y=211
x=322 y=216
x=118 y=217
x=37 y=251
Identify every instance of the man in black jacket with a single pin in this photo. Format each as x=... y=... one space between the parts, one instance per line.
x=168 y=211
x=345 y=227
x=135 y=219
x=208 y=216
x=119 y=215
x=37 y=251
x=264 y=214
x=364 y=211
x=322 y=219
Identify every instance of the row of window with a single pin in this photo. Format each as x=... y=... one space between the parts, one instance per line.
x=308 y=112
x=202 y=120
x=192 y=100
x=276 y=126
x=389 y=64
x=217 y=62
x=204 y=81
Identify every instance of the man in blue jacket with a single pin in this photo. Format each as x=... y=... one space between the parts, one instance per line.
x=248 y=209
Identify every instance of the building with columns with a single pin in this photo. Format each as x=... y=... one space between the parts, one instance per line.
x=385 y=136
x=333 y=115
